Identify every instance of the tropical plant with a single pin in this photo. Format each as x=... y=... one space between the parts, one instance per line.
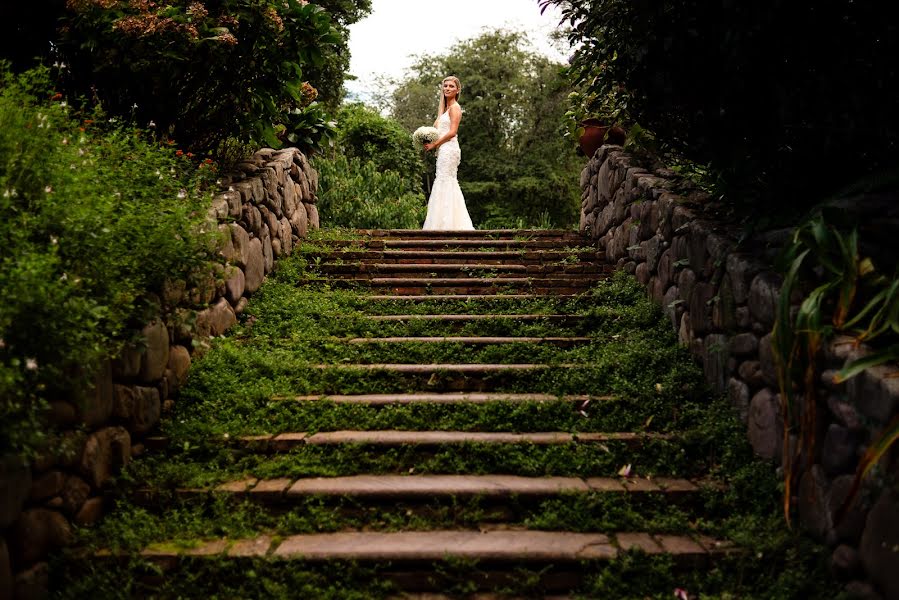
x=844 y=292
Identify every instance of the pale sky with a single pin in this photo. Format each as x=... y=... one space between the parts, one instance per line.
x=384 y=42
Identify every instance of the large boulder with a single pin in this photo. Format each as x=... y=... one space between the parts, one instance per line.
x=105 y=452
x=138 y=406
x=255 y=268
x=96 y=402
x=15 y=487
x=156 y=356
x=880 y=544
x=38 y=531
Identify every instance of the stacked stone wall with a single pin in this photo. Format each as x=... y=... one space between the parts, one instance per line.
x=720 y=299
x=263 y=210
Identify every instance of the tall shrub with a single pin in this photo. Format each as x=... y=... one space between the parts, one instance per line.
x=92 y=223
x=363 y=133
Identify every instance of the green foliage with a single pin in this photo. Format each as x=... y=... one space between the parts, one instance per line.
x=846 y=293
x=515 y=167
x=356 y=193
x=366 y=135
x=329 y=73
x=236 y=382
x=92 y=219
x=372 y=177
x=200 y=74
x=758 y=92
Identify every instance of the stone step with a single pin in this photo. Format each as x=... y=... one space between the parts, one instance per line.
x=525 y=257
x=453 y=244
x=415 y=562
x=359 y=269
x=285 y=442
x=474 y=341
x=477 y=234
x=470 y=297
x=466 y=318
x=451 y=368
x=414 y=488
x=511 y=546
x=441 y=398
x=409 y=286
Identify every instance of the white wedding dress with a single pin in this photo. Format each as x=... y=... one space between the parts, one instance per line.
x=446 y=207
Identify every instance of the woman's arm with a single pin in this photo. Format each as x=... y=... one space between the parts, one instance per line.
x=455 y=114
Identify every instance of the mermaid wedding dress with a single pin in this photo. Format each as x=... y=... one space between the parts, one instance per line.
x=446 y=207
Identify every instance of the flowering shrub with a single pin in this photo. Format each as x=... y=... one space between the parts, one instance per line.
x=201 y=72
x=93 y=220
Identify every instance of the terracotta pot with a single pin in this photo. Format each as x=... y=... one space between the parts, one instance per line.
x=593 y=137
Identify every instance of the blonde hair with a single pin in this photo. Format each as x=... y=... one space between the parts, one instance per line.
x=441 y=106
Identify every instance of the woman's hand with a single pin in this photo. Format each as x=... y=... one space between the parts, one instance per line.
x=430 y=146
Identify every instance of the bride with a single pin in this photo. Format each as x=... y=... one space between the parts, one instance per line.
x=446 y=207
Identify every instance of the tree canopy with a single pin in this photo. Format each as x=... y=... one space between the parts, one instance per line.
x=782 y=100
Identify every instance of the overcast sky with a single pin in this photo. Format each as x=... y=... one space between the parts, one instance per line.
x=384 y=42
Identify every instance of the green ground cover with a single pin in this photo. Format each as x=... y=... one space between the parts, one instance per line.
x=244 y=385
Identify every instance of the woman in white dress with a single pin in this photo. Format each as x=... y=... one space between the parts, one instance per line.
x=446 y=207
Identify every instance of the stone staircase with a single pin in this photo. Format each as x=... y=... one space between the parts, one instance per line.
x=457 y=529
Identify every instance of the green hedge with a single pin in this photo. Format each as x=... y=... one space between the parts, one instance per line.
x=93 y=220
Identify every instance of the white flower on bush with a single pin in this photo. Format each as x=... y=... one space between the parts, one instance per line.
x=30 y=364
x=425 y=135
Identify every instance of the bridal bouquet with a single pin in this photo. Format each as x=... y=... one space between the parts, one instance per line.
x=425 y=135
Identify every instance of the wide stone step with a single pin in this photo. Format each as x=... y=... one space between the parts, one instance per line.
x=523 y=257
x=477 y=234
x=285 y=442
x=454 y=368
x=453 y=244
x=430 y=546
x=467 y=318
x=441 y=398
x=429 y=561
x=474 y=341
x=479 y=298
x=359 y=270
x=430 y=487
x=409 y=286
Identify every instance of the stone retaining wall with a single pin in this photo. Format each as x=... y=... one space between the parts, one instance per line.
x=721 y=300
x=267 y=207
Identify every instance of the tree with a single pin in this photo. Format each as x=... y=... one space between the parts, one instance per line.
x=515 y=168
x=783 y=100
x=201 y=71
x=328 y=75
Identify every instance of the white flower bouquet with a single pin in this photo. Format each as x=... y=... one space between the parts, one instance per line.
x=425 y=135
